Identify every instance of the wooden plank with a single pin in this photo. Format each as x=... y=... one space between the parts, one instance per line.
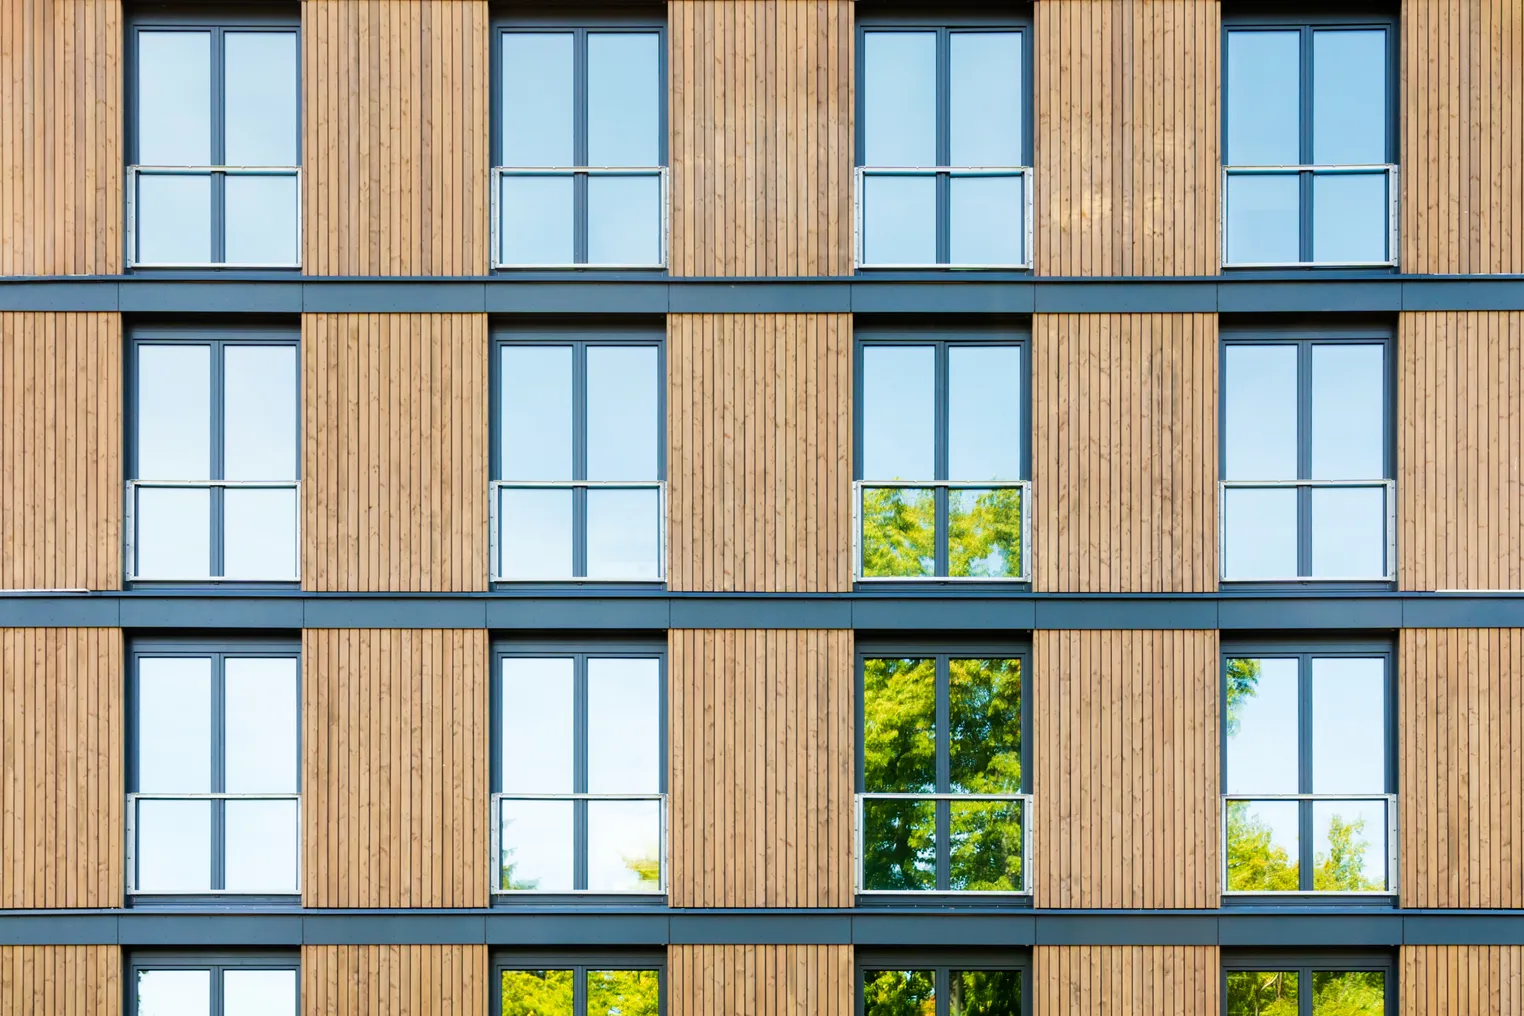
x=396 y=980
x=1126 y=980
x=759 y=980
x=78 y=980
x=1461 y=980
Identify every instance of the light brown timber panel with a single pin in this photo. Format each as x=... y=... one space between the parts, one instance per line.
x=1126 y=151
x=1461 y=767
x=61 y=790
x=1460 y=450
x=61 y=149
x=761 y=137
x=394 y=463
x=759 y=460
x=761 y=777
x=759 y=980
x=396 y=980
x=396 y=142
x=60 y=451
x=44 y=980
x=1124 y=452
x=1101 y=980
x=1126 y=750
x=1462 y=136
x=1462 y=980
x=395 y=771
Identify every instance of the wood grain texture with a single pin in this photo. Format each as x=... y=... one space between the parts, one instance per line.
x=1124 y=452
x=1127 y=775
x=759 y=460
x=61 y=757
x=1460 y=450
x=1126 y=138
x=394 y=768
x=1462 y=980
x=762 y=757
x=395 y=139
x=77 y=980
x=1461 y=767
x=396 y=980
x=1087 y=980
x=759 y=980
x=61 y=147
x=394 y=460
x=1462 y=136
x=60 y=451
x=761 y=137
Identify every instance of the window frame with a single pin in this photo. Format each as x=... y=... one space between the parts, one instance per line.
x=217 y=963
x=580 y=963
x=942 y=962
x=1305 y=963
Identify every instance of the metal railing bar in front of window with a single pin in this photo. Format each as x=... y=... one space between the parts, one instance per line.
x=129 y=525
x=1393 y=222
x=663 y=203
x=132 y=837
x=1025 y=800
x=859 y=240
x=131 y=198
x=494 y=522
x=496 y=831
x=1391 y=843
x=1389 y=486
x=1025 y=486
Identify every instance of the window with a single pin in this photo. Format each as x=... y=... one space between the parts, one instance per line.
x=932 y=984
x=214 y=770
x=1307 y=492
x=578 y=490
x=1308 y=770
x=216 y=146
x=1293 y=985
x=213 y=460
x=200 y=985
x=1309 y=145
x=580 y=782
x=943 y=803
x=614 y=985
x=942 y=459
x=580 y=177
x=944 y=147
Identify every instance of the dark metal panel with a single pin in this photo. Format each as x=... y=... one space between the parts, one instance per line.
x=949 y=297
x=717 y=612
x=576 y=930
x=1113 y=928
x=1127 y=297
x=949 y=614
x=932 y=929
x=394 y=929
x=608 y=613
x=1447 y=611
x=1301 y=613
x=150 y=296
x=1309 y=296
x=761 y=298
x=1463 y=294
x=394 y=612
x=394 y=297
x=1058 y=612
x=58 y=929
x=80 y=295
x=59 y=611
x=1301 y=930
x=761 y=929
x=204 y=931
x=1470 y=929
x=210 y=612
x=507 y=295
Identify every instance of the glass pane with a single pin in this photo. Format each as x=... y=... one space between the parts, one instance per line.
x=537 y=99
x=174 y=533
x=1261 y=726
x=174 y=99
x=537 y=845
x=259 y=542
x=624 y=846
x=1348 y=993
x=623 y=993
x=899 y=993
x=174 y=411
x=174 y=219
x=535 y=538
x=899 y=532
x=899 y=412
x=261 y=705
x=1264 y=98
x=1264 y=219
x=1261 y=533
x=537 y=730
x=985 y=993
x=899 y=725
x=899 y=845
x=623 y=99
x=1349 y=217
x=900 y=99
x=174 y=848
x=1259 y=412
x=623 y=220
x=1262 y=993
x=1348 y=725
x=984 y=726
x=623 y=726
x=985 y=220
x=261 y=220
x=174 y=741
x=623 y=534
x=622 y=424
x=261 y=99
x=984 y=104
x=262 y=846
x=174 y=993
x=1349 y=97
x=985 y=846
x=1349 y=846
x=261 y=411
x=536 y=411
x=1348 y=411
x=536 y=220
x=259 y=993
x=1349 y=533
x=984 y=412
x=984 y=533
x=1263 y=845
x=899 y=220
x=537 y=993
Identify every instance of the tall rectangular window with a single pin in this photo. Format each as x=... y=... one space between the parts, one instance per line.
x=214 y=770
x=944 y=146
x=933 y=983
x=173 y=984
x=1309 y=145
x=215 y=146
x=580 y=176
x=1307 y=985
x=613 y=985
x=213 y=456
x=1307 y=488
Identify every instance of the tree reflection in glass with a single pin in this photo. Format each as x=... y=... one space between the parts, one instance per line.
x=537 y=993
x=1262 y=993
x=899 y=532
x=984 y=757
x=1348 y=993
x=899 y=993
x=984 y=993
x=984 y=533
x=899 y=756
x=623 y=993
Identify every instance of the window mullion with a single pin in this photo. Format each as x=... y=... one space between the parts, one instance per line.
x=579 y=458
x=579 y=770
x=943 y=809
x=218 y=428
x=940 y=431
x=1304 y=458
x=219 y=770
x=1305 y=850
x=218 y=91
x=580 y=144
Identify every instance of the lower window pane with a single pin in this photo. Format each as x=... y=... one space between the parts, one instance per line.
x=261 y=846
x=1349 y=532
x=259 y=993
x=261 y=220
x=899 y=220
x=984 y=993
x=623 y=220
x=984 y=533
x=899 y=992
x=624 y=846
x=1348 y=993
x=537 y=993
x=623 y=993
x=535 y=220
x=259 y=534
x=623 y=534
x=1263 y=218
x=174 y=993
x=986 y=846
x=535 y=533
x=899 y=532
x=1260 y=529
x=899 y=844
x=1349 y=213
x=174 y=533
x=985 y=220
x=174 y=846
x=1263 y=846
x=1349 y=846
x=1262 y=993
x=173 y=219
x=537 y=845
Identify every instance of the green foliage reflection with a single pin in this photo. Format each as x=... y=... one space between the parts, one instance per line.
x=622 y=993
x=984 y=732
x=537 y=993
x=899 y=532
x=1348 y=993
x=985 y=993
x=899 y=725
x=1262 y=993
x=899 y=535
x=984 y=533
x=1255 y=862
x=899 y=993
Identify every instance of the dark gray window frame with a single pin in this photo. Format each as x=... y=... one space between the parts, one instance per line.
x=1305 y=962
x=942 y=962
x=216 y=963
x=580 y=963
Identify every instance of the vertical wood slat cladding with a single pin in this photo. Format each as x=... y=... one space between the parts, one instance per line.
x=1088 y=980
x=1460 y=450
x=80 y=980
x=1126 y=787
x=396 y=980
x=61 y=147
x=760 y=980
x=1461 y=767
x=1124 y=452
x=395 y=139
x=761 y=777
x=395 y=770
x=60 y=451
x=394 y=464
x=1462 y=980
x=1126 y=152
x=761 y=137
x=61 y=757
x=759 y=461
x=1462 y=136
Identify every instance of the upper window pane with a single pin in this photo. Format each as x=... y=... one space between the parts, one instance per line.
x=983 y=428
x=537 y=725
x=174 y=993
x=1349 y=97
x=1260 y=412
x=623 y=99
x=174 y=730
x=1261 y=726
x=622 y=425
x=899 y=413
x=262 y=704
x=260 y=395
x=1348 y=411
x=538 y=94
x=174 y=98
x=984 y=726
x=1349 y=725
x=261 y=98
x=623 y=726
x=1264 y=98
x=899 y=725
x=259 y=992
x=536 y=412
x=985 y=105
x=174 y=410
x=899 y=99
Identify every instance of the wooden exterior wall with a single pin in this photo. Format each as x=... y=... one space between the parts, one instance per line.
x=60 y=451
x=80 y=980
x=760 y=980
x=61 y=759
x=759 y=460
x=396 y=980
x=761 y=137
x=1461 y=767
x=761 y=768
x=1462 y=136
x=1126 y=765
x=61 y=147
x=1460 y=450
x=1462 y=980
x=395 y=142
x=1124 y=452
x=395 y=790
x=1126 y=153
x=394 y=460
x=1089 y=980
